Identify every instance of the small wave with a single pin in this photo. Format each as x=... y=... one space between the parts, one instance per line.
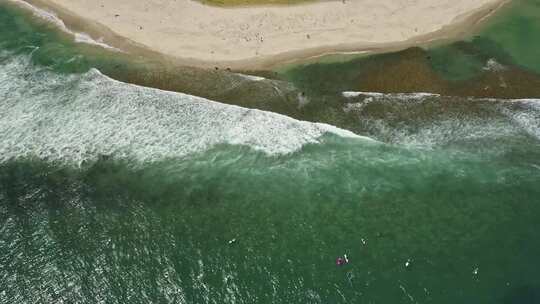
x=76 y=118
x=433 y=120
x=533 y=103
x=351 y=94
x=251 y=77
x=54 y=19
x=419 y=95
x=493 y=66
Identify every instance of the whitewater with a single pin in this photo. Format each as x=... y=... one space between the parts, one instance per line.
x=80 y=117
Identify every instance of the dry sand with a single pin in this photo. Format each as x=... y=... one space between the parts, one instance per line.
x=250 y=37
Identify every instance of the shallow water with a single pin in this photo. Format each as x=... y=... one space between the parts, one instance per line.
x=499 y=60
x=116 y=193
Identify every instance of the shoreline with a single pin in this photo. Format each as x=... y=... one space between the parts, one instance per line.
x=461 y=25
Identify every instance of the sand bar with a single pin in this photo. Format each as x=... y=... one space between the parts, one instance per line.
x=250 y=37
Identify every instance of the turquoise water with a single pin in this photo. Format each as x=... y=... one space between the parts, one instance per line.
x=116 y=193
x=462 y=68
x=515 y=31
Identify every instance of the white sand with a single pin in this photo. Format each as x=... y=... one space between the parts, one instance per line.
x=251 y=36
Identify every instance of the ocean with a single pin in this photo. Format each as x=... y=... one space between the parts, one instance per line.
x=113 y=192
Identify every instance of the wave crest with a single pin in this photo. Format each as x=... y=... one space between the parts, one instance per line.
x=79 y=117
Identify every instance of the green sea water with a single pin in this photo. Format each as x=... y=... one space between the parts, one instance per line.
x=463 y=68
x=116 y=193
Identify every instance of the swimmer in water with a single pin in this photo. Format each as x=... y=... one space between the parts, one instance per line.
x=340 y=261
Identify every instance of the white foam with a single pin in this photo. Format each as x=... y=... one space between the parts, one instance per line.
x=520 y=116
x=352 y=107
x=527 y=116
x=417 y=95
x=532 y=102
x=251 y=77
x=303 y=100
x=443 y=132
x=79 y=117
x=352 y=94
x=493 y=66
x=54 y=19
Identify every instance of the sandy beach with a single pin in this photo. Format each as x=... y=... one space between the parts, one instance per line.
x=251 y=37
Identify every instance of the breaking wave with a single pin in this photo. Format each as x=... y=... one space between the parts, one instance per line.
x=424 y=120
x=79 y=117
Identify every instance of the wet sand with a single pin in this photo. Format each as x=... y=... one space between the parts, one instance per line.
x=260 y=37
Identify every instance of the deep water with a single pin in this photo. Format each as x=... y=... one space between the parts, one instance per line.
x=117 y=193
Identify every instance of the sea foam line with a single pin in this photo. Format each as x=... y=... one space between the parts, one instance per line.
x=52 y=18
x=251 y=77
x=420 y=95
x=416 y=95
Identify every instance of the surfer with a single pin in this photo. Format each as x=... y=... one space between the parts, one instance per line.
x=340 y=261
